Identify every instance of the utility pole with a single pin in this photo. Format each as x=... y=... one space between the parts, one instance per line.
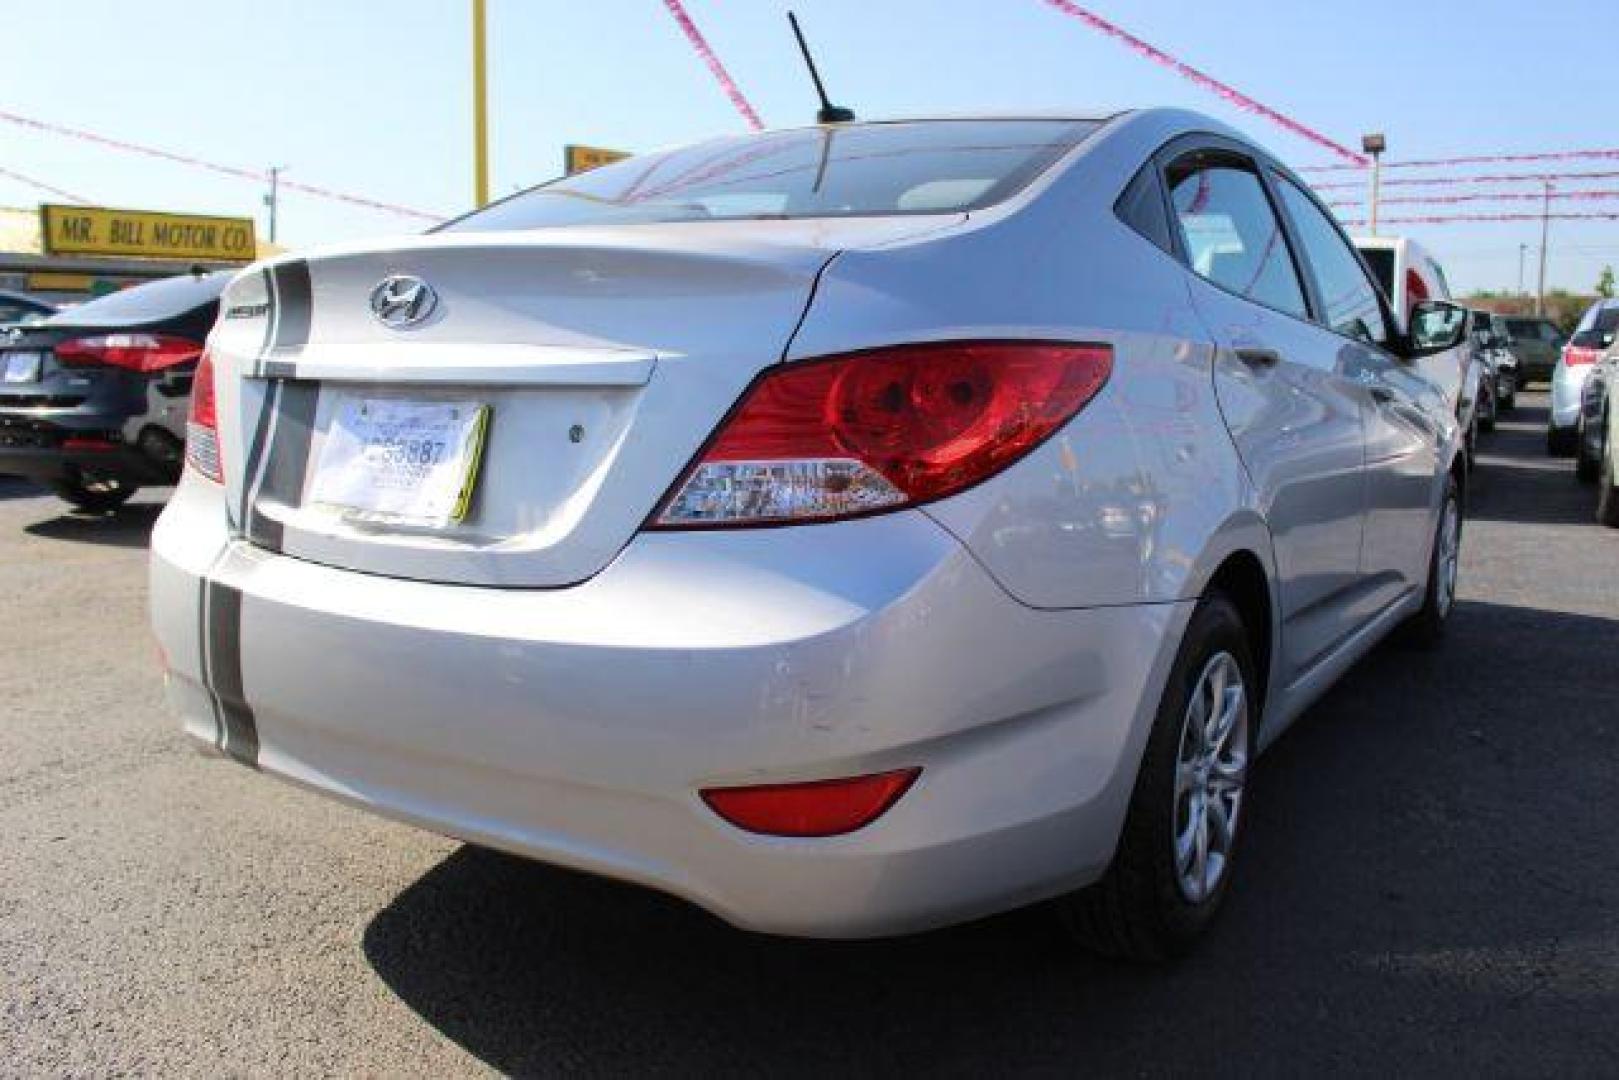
x=480 y=108
x=1522 y=248
x=1374 y=144
x=1545 y=226
x=272 y=198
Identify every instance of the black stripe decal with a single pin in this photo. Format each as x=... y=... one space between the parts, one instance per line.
x=255 y=455
x=202 y=651
x=287 y=460
x=294 y=305
x=224 y=614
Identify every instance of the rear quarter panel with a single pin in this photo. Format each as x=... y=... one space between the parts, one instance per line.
x=1137 y=499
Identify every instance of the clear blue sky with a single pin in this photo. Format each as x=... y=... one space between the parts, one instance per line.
x=374 y=97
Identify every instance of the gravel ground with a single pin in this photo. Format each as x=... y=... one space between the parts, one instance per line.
x=1429 y=883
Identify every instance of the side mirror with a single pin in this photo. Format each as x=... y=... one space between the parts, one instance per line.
x=1436 y=325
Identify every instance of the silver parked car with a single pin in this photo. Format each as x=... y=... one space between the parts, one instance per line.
x=852 y=530
x=1596 y=331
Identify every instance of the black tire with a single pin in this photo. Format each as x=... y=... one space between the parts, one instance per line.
x=98 y=494
x=1586 y=467
x=1139 y=910
x=1426 y=628
x=1607 y=489
x=1560 y=442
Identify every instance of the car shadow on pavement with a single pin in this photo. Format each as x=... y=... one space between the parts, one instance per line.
x=128 y=526
x=1428 y=879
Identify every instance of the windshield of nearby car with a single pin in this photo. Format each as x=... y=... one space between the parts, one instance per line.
x=919 y=167
x=1381 y=260
x=153 y=300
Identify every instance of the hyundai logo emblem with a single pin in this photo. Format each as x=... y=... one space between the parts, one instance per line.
x=400 y=300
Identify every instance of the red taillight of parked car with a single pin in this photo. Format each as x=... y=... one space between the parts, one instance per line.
x=881 y=429
x=144 y=353
x=1575 y=356
x=816 y=808
x=202 y=426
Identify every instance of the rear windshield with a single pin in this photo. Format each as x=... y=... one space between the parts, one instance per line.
x=921 y=167
x=1597 y=328
x=1381 y=260
x=144 y=303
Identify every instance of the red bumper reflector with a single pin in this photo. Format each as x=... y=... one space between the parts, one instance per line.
x=816 y=808
x=80 y=443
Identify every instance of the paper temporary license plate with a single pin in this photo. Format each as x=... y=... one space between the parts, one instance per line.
x=21 y=367
x=398 y=461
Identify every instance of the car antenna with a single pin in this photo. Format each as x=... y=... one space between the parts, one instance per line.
x=828 y=113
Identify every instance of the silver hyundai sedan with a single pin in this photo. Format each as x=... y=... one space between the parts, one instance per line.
x=851 y=530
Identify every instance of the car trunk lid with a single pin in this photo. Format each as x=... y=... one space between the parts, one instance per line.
x=604 y=358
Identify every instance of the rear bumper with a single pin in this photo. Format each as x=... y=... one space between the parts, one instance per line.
x=1567 y=387
x=143 y=445
x=577 y=725
x=46 y=464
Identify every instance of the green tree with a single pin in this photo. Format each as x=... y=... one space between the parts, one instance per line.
x=1605 y=283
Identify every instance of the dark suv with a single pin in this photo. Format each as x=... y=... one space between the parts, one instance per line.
x=1536 y=342
x=93 y=400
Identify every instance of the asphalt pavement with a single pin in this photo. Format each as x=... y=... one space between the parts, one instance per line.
x=1430 y=883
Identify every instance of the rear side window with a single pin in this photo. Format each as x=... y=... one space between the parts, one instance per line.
x=1142 y=208
x=1348 y=299
x=1231 y=232
x=920 y=167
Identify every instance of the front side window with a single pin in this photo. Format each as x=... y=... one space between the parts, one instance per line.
x=1232 y=235
x=918 y=167
x=1348 y=298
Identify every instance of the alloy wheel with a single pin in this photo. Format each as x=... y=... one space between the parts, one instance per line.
x=1448 y=563
x=1211 y=771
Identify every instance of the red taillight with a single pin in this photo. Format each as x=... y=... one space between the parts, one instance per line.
x=816 y=808
x=202 y=426
x=1575 y=355
x=144 y=353
x=882 y=429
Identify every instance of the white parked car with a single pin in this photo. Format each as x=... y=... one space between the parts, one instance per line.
x=852 y=530
x=1405 y=269
x=1409 y=274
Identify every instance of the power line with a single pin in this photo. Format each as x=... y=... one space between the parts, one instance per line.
x=233 y=171
x=1446 y=219
x=700 y=45
x=1480 y=159
x=1208 y=82
x=1444 y=181
x=11 y=174
x=1497 y=196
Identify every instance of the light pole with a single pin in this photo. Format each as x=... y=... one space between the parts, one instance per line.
x=480 y=108
x=1374 y=144
x=1545 y=226
x=272 y=198
x=1521 y=249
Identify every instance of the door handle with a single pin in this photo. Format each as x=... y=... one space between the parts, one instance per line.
x=1255 y=356
x=1381 y=394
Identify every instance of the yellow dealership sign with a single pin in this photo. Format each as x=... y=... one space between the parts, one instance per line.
x=581 y=158
x=97 y=230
